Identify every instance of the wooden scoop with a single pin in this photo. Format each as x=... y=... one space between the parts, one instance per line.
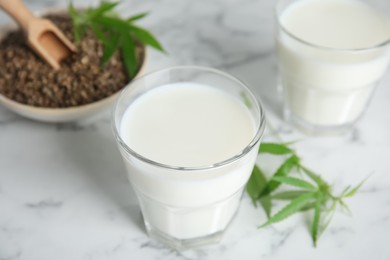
x=42 y=35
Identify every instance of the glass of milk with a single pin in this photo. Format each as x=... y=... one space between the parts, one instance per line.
x=189 y=137
x=331 y=56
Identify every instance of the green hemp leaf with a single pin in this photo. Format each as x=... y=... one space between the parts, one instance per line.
x=114 y=32
x=308 y=191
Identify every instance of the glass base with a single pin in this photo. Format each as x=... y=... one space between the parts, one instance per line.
x=316 y=130
x=183 y=244
x=183 y=228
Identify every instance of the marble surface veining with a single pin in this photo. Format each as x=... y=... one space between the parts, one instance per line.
x=63 y=189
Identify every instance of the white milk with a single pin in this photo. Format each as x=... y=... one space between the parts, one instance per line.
x=326 y=82
x=188 y=125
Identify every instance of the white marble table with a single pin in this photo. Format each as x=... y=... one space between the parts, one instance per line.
x=63 y=189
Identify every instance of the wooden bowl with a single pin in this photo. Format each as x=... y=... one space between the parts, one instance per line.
x=59 y=115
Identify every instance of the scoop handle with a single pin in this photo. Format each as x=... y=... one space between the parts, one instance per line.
x=18 y=11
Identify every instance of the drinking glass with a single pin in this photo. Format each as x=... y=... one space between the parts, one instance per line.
x=185 y=207
x=326 y=90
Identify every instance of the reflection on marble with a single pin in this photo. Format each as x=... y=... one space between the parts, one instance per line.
x=63 y=189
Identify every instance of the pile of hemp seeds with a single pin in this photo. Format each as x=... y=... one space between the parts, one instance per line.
x=27 y=79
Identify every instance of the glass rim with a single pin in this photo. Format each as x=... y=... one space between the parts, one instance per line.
x=285 y=30
x=259 y=127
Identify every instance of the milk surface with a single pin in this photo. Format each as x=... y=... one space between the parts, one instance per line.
x=326 y=82
x=188 y=125
x=341 y=24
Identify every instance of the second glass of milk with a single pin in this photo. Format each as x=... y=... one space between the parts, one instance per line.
x=331 y=56
x=189 y=137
